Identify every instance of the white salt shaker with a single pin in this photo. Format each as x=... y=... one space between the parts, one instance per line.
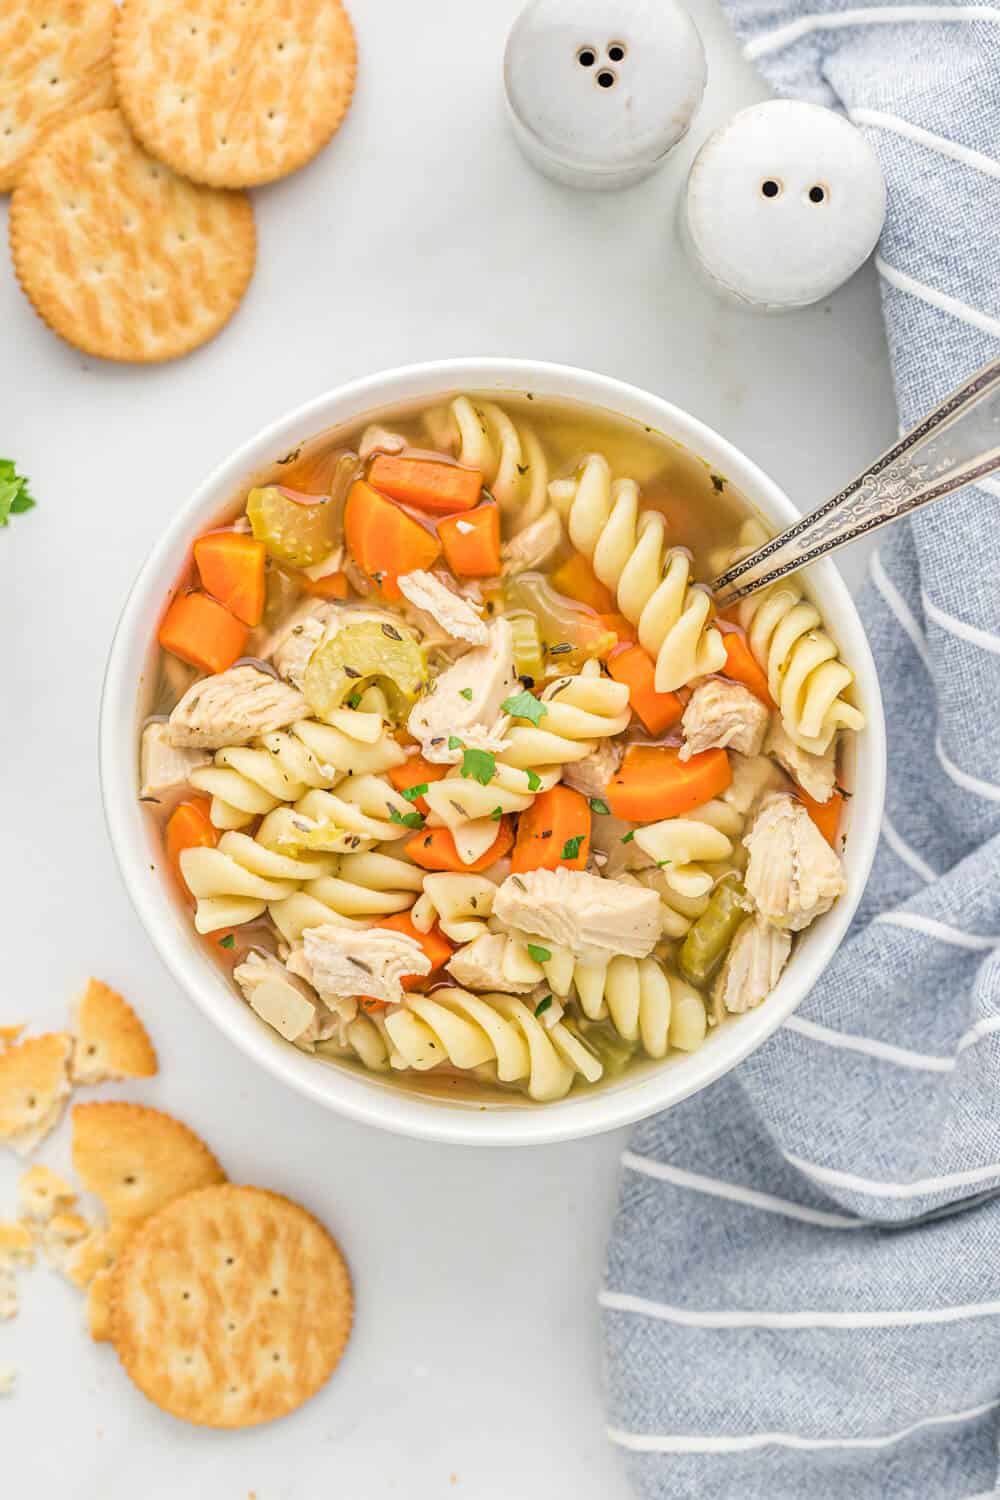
x=783 y=203
x=599 y=91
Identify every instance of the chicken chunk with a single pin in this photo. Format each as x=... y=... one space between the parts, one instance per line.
x=376 y=439
x=793 y=875
x=753 y=778
x=281 y=999
x=477 y=966
x=592 y=774
x=815 y=774
x=233 y=708
x=165 y=768
x=342 y=963
x=291 y=648
x=465 y=701
x=722 y=715
x=455 y=615
x=755 y=959
x=534 y=545
x=592 y=916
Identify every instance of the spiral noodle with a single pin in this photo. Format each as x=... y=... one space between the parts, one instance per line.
x=805 y=675
x=354 y=892
x=475 y=1031
x=510 y=459
x=234 y=882
x=460 y=904
x=247 y=782
x=681 y=847
x=628 y=551
x=359 y=812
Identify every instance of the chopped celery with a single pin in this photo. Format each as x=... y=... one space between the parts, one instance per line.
x=708 y=940
x=372 y=651
x=571 y=633
x=614 y=1053
x=528 y=659
x=295 y=528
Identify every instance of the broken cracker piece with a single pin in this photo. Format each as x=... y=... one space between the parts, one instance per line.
x=8 y=1294
x=9 y=1034
x=61 y=1233
x=82 y=1261
x=34 y=1084
x=111 y=1041
x=17 y=1245
x=99 y=1307
x=42 y=1192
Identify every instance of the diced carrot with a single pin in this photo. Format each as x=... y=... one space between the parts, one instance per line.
x=330 y=586
x=384 y=540
x=434 y=849
x=742 y=667
x=636 y=668
x=577 y=580
x=731 y=615
x=472 y=542
x=652 y=782
x=231 y=569
x=623 y=629
x=189 y=827
x=414 y=772
x=553 y=833
x=434 y=944
x=426 y=483
x=203 y=632
x=826 y=815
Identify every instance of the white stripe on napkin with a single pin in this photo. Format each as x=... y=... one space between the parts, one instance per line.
x=687 y=1317
x=880 y=120
x=716 y=1188
x=886 y=15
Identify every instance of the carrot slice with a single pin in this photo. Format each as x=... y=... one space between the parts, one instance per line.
x=434 y=944
x=415 y=772
x=577 y=580
x=472 y=542
x=203 y=632
x=652 y=782
x=826 y=815
x=553 y=833
x=434 y=849
x=636 y=668
x=741 y=666
x=189 y=827
x=330 y=586
x=426 y=483
x=231 y=569
x=623 y=629
x=384 y=540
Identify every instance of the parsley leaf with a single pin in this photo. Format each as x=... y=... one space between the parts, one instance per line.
x=479 y=765
x=407 y=820
x=662 y=863
x=466 y=693
x=599 y=806
x=496 y=814
x=628 y=837
x=354 y=700
x=538 y=953
x=543 y=1005
x=534 y=780
x=227 y=941
x=454 y=743
x=571 y=848
x=15 y=497
x=413 y=792
x=525 y=705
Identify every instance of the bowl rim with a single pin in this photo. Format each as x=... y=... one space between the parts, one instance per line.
x=366 y=1098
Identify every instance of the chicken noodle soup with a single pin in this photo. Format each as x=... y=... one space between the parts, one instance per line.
x=461 y=772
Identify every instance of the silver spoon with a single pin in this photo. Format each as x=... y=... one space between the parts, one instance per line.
x=955 y=444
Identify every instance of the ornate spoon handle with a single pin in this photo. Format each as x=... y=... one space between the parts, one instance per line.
x=955 y=444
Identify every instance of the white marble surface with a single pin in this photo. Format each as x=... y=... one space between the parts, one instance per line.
x=475 y=1366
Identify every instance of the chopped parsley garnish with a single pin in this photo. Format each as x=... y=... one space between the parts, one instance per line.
x=227 y=941
x=571 y=848
x=496 y=814
x=407 y=820
x=534 y=780
x=543 y=1005
x=628 y=837
x=538 y=953
x=354 y=700
x=599 y=806
x=413 y=792
x=466 y=693
x=662 y=863
x=525 y=706
x=15 y=497
x=479 y=765
x=454 y=743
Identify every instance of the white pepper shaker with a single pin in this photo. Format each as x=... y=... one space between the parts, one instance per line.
x=599 y=91
x=783 y=203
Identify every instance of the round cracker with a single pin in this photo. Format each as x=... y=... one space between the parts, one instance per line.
x=234 y=93
x=119 y=255
x=231 y=1307
x=56 y=65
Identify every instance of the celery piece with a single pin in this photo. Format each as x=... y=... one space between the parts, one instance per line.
x=708 y=939
x=357 y=655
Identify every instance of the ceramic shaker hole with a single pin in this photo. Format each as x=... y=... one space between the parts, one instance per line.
x=599 y=91
x=783 y=203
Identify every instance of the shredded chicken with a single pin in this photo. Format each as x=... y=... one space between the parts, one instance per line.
x=752 y=779
x=534 y=545
x=342 y=963
x=291 y=649
x=591 y=916
x=723 y=714
x=165 y=768
x=464 y=702
x=592 y=774
x=376 y=439
x=455 y=615
x=234 y=708
x=477 y=966
x=793 y=876
x=282 y=1000
x=815 y=774
x=755 y=959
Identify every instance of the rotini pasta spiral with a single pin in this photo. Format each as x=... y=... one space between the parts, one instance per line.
x=509 y=458
x=628 y=551
x=472 y=1031
x=354 y=892
x=460 y=904
x=580 y=711
x=360 y=811
x=234 y=882
x=681 y=847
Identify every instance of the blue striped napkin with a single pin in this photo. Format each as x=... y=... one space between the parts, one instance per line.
x=803 y=1282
